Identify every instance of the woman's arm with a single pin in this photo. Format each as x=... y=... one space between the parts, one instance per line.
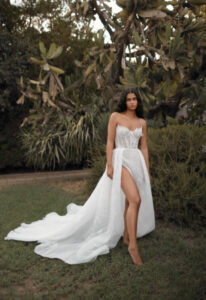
x=143 y=145
x=110 y=142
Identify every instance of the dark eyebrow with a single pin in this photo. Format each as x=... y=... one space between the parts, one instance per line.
x=132 y=98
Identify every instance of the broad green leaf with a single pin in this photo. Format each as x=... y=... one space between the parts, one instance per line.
x=57 y=70
x=89 y=69
x=139 y=73
x=152 y=13
x=42 y=49
x=161 y=35
x=107 y=68
x=56 y=53
x=153 y=37
x=34 y=81
x=168 y=31
x=123 y=14
x=137 y=38
x=78 y=63
x=101 y=56
x=51 y=51
x=122 y=3
x=36 y=61
x=86 y=7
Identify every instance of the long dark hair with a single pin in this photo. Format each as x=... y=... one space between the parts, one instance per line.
x=122 y=103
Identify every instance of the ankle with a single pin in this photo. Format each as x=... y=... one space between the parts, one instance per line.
x=133 y=245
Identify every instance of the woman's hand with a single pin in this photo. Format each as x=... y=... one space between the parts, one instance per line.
x=110 y=171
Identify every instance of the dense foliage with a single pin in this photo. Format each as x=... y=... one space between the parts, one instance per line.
x=62 y=143
x=157 y=46
x=21 y=30
x=177 y=159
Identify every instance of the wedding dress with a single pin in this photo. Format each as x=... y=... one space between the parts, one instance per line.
x=90 y=230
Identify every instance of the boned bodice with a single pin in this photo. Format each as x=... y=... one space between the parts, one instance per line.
x=126 y=138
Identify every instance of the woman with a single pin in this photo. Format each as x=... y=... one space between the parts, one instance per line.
x=128 y=116
x=122 y=193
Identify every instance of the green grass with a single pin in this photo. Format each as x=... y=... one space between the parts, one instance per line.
x=173 y=258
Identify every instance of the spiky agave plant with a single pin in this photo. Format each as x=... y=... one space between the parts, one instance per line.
x=44 y=146
x=63 y=142
x=82 y=136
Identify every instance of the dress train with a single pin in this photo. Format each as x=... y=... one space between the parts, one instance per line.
x=90 y=230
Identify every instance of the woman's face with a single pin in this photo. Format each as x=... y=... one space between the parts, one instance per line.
x=131 y=101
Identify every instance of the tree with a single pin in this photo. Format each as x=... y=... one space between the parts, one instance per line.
x=19 y=40
x=15 y=52
x=158 y=49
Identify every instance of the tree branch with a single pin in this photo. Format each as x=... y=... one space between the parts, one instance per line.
x=104 y=18
x=120 y=42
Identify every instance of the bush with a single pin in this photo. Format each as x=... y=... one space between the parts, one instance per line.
x=178 y=171
x=177 y=155
x=12 y=158
x=98 y=162
x=64 y=142
x=97 y=157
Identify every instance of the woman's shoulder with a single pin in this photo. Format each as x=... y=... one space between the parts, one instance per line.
x=115 y=115
x=143 y=122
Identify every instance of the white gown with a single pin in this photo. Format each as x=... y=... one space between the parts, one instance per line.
x=89 y=230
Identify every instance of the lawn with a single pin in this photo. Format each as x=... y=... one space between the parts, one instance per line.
x=173 y=258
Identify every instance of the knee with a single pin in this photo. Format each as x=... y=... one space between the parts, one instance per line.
x=135 y=200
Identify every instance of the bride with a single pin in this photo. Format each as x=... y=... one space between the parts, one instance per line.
x=120 y=205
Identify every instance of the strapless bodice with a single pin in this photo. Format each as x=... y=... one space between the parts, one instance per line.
x=126 y=138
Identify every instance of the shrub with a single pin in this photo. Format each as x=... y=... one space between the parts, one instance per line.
x=178 y=173
x=97 y=157
x=11 y=157
x=63 y=142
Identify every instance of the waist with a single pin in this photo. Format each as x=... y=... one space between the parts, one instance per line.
x=128 y=148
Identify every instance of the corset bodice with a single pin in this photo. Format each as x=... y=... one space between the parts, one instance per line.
x=126 y=138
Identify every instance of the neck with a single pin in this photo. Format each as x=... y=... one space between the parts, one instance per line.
x=131 y=114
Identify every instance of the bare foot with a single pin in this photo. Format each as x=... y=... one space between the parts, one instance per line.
x=134 y=253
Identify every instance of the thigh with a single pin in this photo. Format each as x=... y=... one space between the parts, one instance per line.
x=129 y=186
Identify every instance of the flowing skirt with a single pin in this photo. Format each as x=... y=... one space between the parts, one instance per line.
x=90 y=230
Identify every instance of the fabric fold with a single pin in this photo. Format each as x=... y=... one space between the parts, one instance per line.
x=90 y=230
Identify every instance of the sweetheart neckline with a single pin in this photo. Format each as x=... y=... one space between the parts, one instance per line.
x=128 y=128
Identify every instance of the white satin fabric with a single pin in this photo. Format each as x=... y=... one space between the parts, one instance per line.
x=92 y=229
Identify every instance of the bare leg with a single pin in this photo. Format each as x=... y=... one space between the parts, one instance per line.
x=130 y=189
x=126 y=234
